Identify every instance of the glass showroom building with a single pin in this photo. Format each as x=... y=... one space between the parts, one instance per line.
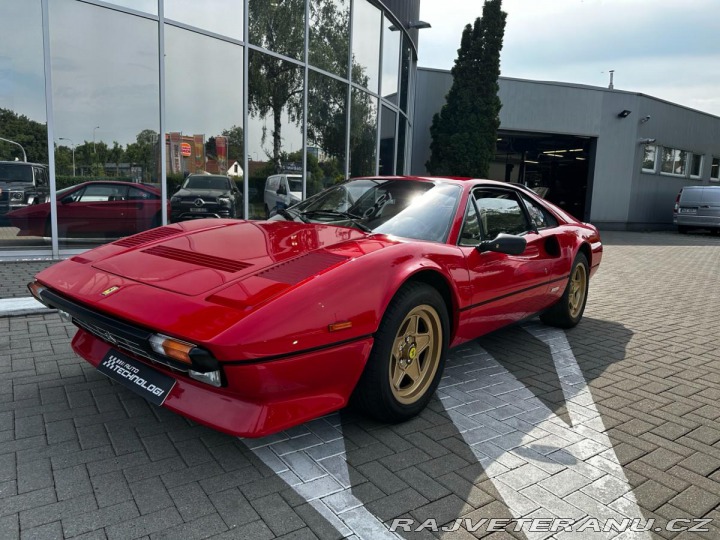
x=145 y=92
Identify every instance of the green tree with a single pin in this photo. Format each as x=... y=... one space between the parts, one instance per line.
x=116 y=155
x=235 y=141
x=143 y=152
x=464 y=133
x=31 y=135
x=274 y=83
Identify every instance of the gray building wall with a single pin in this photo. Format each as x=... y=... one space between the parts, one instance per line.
x=622 y=196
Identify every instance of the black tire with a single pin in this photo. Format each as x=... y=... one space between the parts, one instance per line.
x=374 y=394
x=568 y=312
x=682 y=229
x=156 y=222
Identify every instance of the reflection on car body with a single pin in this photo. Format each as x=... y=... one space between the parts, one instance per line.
x=206 y=195
x=100 y=210
x=355 y=294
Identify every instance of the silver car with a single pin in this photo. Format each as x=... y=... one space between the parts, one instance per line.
x=697 y=207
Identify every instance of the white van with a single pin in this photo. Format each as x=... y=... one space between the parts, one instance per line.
x=281 y=191
x=697 y=207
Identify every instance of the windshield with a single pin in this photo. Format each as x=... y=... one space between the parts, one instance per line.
x=407 y=208
x=295 y=184
x=206 y=182
x=15 y=173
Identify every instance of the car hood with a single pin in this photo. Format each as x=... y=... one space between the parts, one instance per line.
x=200 y=261
x=201 y=193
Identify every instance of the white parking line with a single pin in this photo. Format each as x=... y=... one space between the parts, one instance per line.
x=21 y=306
x=540 y=466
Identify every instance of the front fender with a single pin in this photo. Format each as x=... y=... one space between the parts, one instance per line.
x=356 y=292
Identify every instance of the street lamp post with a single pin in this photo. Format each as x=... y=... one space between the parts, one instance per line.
x=16 y=144
x=73 y=150
x=96 y=127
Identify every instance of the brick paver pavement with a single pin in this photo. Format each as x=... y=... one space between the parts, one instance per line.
x=615 y=417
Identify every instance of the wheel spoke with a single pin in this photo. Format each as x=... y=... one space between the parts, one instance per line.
x=422 y=342
x=413 y=371
x=412 y=328
x=398 y=376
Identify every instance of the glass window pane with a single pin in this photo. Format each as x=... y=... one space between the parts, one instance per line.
x=390 y=61
x=204 y=121
x=148 y=6
x=326 y=121
x=363 y=133
x=366 y=44
x=108 y=107
x=330 y=35
x=23 y=121
x=470 y=234
x=696 y=165
x=715 y=169
x=278 y=26
x=225 y=17
x=649 y=157
x=674 y=161
x=405 y=73
x=401 y=146
x=275 y=139
x=387 y=142
x=500 y=212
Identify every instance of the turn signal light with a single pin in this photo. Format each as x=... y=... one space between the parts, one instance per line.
x=172 y=348
x=35 y=289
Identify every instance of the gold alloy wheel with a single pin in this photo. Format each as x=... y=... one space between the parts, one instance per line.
x=415 y=354
x=578 y=286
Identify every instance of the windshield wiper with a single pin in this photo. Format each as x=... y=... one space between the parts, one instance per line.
x=353 y=218
x=284 y=212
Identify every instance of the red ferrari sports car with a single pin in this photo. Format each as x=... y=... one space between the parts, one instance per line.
x=357 y=293
x=98 y=209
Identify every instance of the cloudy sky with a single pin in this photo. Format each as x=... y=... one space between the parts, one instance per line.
x=669 y=49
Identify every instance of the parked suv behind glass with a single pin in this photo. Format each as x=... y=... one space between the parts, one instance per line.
x=22 y=184
x=205 y=196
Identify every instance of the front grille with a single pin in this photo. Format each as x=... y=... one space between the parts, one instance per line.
x=119 y=334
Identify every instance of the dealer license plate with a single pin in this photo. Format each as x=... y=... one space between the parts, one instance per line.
x=138 y=377
x=198 y=209
x=688 y=210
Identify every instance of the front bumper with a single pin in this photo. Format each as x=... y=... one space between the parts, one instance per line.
x=260 y=397
x=186 y=211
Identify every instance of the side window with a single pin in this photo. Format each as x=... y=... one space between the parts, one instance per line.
x=135 y=194
x=470 y=234
x=40 y=179
x=104 y=193
x=541 y=218
x=500 y=212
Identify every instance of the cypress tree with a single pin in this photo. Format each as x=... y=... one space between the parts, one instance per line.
x=464 y=132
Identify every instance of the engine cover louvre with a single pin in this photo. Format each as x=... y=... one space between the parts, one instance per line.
x=208 y=261
x=296 y=270
x=148 y=236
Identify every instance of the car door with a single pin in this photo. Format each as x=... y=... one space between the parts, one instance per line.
x=98 y=211
x=505 y=288
x=141 y=209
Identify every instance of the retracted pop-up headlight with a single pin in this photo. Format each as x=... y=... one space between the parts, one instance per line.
x=206 y=367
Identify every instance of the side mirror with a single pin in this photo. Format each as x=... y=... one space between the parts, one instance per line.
x=66 y=200
x=509 y=244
